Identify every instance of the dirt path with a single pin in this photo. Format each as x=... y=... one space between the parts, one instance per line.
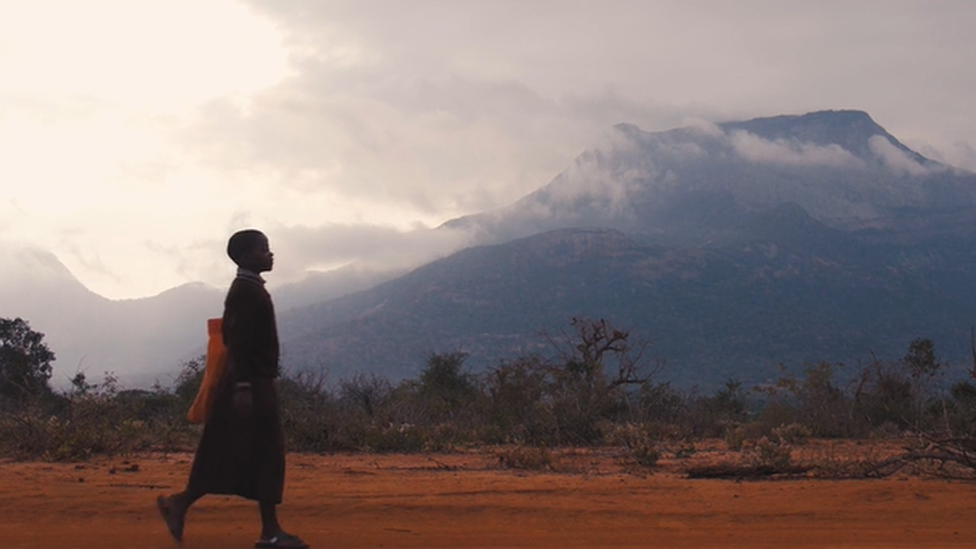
x=463 y=500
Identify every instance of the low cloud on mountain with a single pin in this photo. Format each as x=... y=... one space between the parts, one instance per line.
x=794 y=153
x=895 y=159
x=300 y=249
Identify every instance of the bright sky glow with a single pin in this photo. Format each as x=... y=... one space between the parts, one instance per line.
x=135 y=135
x=91 y=96
x=149 y=54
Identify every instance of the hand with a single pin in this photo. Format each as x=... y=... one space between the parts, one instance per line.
x=243 y=400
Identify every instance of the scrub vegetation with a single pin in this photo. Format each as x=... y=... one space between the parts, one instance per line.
x=597 y=390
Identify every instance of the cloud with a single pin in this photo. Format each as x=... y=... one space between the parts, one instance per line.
x=299 y=249
x=393 y=126
x=435 y=147
x=9 y=215
x=959 y=154
x=703 y=126
x=337 y=113
x=594 y=178
x=962 y=155
x=894 y=158
x=791 y=153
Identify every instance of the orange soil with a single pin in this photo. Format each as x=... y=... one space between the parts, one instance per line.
x=465 y=500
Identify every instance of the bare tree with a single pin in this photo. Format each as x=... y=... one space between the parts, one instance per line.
x=597 y=346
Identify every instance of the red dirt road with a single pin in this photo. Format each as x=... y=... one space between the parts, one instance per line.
x=464 y=500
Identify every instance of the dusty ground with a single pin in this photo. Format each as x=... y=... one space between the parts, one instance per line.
x=466 y=500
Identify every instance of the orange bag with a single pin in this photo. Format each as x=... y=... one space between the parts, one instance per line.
x=213 y=369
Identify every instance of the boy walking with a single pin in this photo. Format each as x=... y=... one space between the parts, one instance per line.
x=242 y=451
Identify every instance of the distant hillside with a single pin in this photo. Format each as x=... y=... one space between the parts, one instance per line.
x=140 y=340
x=732 y=247
x=779 y=288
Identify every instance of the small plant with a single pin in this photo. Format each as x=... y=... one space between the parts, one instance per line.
x=885 y=431
x=444 y=437
x=405 y=437
x=636 y=439
x=735 y=437
x=685 y=451
x=645 y=455
x=794 y=433
x=772 y=453
x=530 y=458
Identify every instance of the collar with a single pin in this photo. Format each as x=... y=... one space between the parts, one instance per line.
x=249 y=275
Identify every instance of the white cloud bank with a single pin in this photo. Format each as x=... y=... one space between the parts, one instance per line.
x=792 y=153
x=895 y=159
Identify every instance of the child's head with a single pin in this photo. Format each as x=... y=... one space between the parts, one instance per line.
x=249 y=249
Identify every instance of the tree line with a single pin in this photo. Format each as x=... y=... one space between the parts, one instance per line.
x=597 y=388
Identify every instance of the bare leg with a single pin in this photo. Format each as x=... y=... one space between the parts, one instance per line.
x=269 y=520
x=173 y=510
x=271 y=533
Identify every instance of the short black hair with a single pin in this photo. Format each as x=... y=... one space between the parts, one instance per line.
x=243 y=242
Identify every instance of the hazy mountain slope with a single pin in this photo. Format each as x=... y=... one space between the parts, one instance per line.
x=139 y=340
x=323 y=286
x=765 y=295
x=733 y=247
x=839 y=166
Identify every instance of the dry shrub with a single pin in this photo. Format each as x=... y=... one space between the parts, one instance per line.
x=308 y=413
x=772 y=453
x=398 y=438
x=831 y=460
x=794 y=433
x=735 y=437
x=390 y=438
x=447 y=436
x=645 y=455
x=637 y=439
x=529 y=458
x=91 y=426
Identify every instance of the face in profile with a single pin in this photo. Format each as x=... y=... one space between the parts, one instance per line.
x=260 y=259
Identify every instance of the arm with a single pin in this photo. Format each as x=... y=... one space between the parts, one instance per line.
x=239 y=331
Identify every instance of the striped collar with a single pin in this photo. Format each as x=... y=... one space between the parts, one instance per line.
x=249 y=275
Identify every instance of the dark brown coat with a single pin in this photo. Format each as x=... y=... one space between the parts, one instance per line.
x=245 y=457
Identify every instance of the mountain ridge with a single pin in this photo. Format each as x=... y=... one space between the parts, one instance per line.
x=734 y=309
x=139 y=340
x=640 y=181
x=757 y=242
x=734 y=246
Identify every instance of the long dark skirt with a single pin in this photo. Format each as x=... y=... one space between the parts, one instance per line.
x=244 y=457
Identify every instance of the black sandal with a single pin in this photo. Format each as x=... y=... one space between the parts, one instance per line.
x=282 y=540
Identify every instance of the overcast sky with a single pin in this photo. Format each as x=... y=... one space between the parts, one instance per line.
x=136 y=135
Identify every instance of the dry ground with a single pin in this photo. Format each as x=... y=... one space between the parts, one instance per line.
x=466 y=500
